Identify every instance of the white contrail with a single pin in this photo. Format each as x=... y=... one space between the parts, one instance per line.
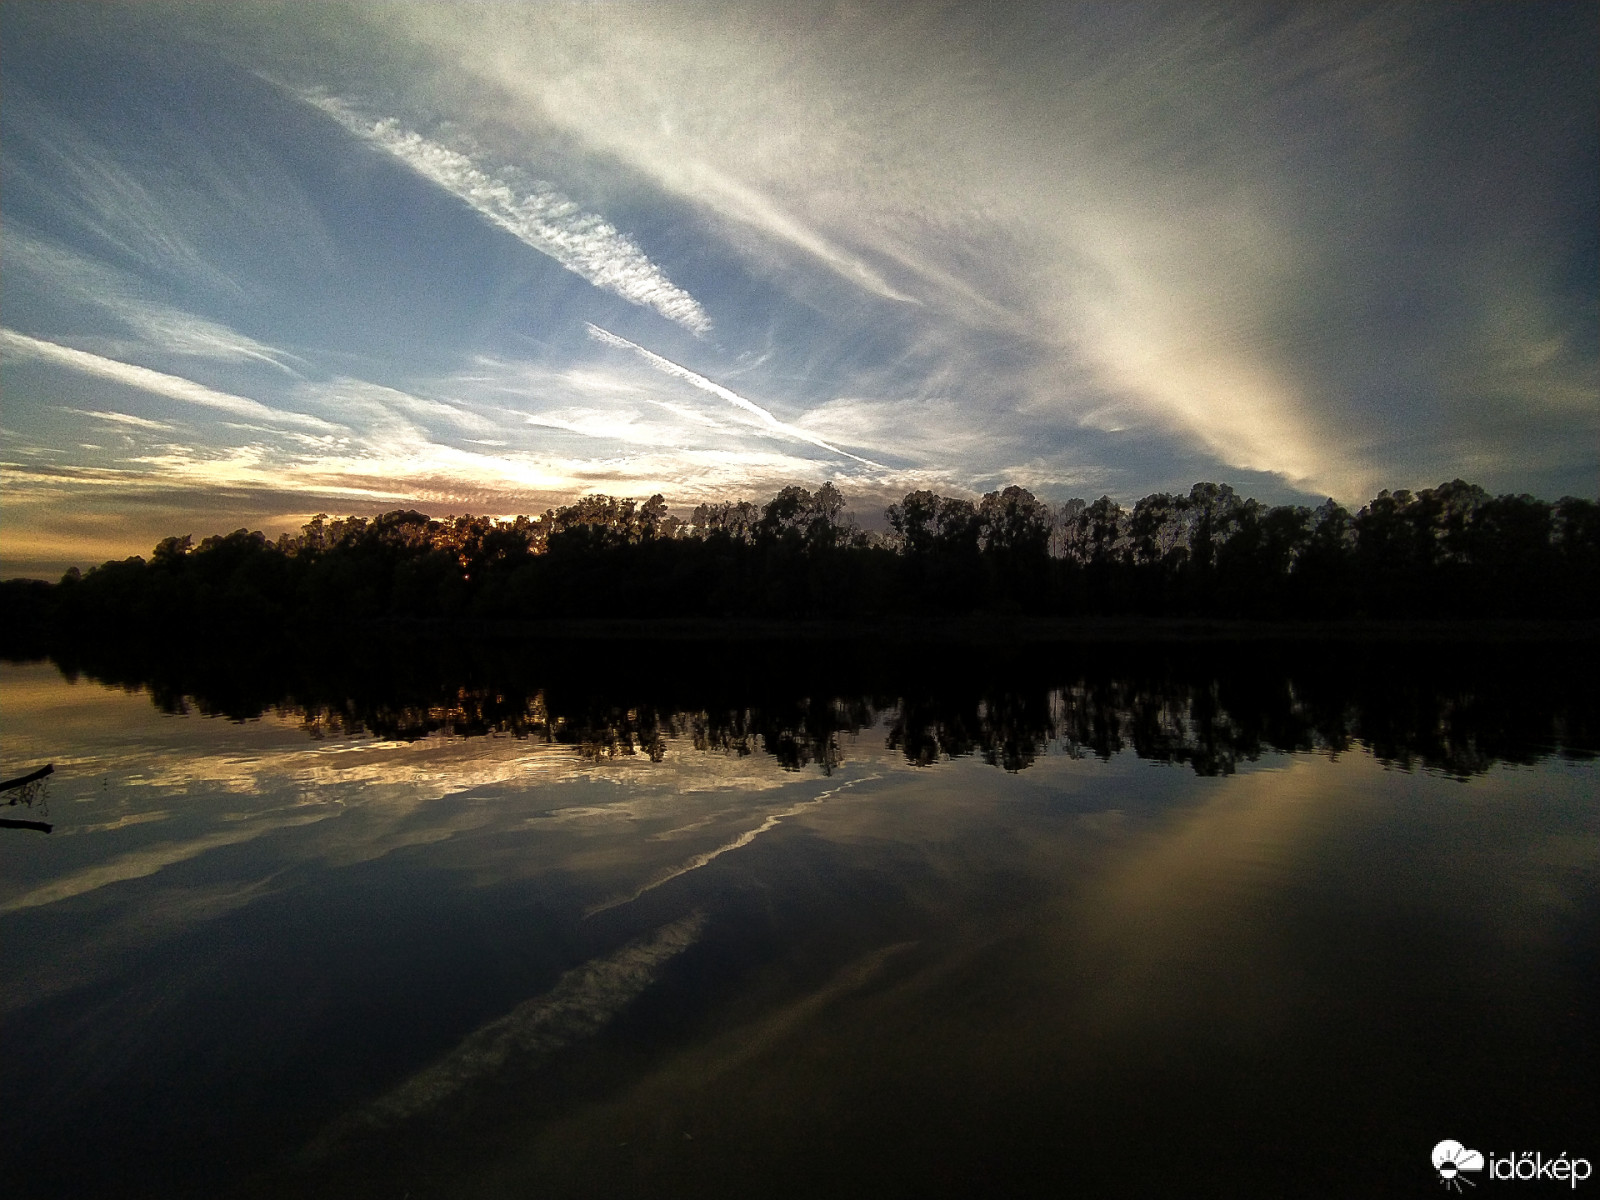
x=667 y=367
x=174 y=387
x=538 y=216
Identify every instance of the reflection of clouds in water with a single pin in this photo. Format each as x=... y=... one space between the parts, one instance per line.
x=1119 y=904
x=125 y=930
x=146 y=861
x=142 y=818
x=1185 y=892
x=501 y=810
x=1210 y=892
x=744 y=839
x=182 y=779
x=583 y=1001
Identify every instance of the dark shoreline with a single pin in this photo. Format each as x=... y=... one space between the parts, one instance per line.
x=991 y=629
x=921 y=634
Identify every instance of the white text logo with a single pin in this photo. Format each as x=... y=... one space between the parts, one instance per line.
x=1453 y=1161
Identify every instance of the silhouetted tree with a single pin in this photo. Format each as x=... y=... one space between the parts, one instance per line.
x=1449 y=551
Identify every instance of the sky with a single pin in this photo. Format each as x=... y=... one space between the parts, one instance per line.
x=259 y=262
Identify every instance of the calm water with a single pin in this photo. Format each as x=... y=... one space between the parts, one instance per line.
x=1092 y=935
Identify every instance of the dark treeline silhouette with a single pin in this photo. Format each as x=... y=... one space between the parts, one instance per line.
x=1453 y=551
x=1448 y=706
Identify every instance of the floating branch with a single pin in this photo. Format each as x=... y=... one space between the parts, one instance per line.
x=25 y=780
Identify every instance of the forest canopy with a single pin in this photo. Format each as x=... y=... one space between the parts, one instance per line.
x=1453 y=551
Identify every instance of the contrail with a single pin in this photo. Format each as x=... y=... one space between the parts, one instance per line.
x=667 y=367
x=535 y=214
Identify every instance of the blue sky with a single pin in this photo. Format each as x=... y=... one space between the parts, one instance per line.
x=261 y=262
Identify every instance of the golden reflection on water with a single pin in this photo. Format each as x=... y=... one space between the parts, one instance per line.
x=220 y=783
x=1132 y=943
x=1031 y=956
x=138 y=791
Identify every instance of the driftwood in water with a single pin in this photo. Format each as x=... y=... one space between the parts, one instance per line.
x=41 y=826
x=25 y=780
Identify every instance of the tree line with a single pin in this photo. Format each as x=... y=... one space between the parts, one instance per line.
x=1453 y=551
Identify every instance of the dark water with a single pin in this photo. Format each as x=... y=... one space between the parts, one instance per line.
x=672 y=922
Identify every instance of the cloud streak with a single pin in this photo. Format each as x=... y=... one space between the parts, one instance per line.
x=537 y=215
x=117 y=418
x=173 y=387
x=667 y=367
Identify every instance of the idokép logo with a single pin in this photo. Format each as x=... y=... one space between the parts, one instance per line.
x=1450 y=1159
x=1454 y=1162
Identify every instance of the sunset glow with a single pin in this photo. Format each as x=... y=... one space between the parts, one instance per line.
x=268 y=261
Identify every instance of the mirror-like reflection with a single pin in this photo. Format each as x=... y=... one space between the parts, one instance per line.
x=509 y=920
x=1452 y=707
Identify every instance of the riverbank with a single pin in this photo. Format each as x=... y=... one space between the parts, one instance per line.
x=986 y=629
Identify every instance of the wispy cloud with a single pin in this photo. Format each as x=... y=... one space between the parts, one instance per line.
x=117 y=418
x=537 y=215
x=689 y=414
x=174 y=387
x=106 y=197
x=387 y=411
x=1076 y=251
x=667 y=367
x=161 y=327
x=178 y=332
x=1188 y=225
x=752 y=207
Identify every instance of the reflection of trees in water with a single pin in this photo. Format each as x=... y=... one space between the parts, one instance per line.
x=1453 y=709
x=1201 y=726
x=799 y=734
x=1209 y=728
x=1212 y=726
x=807 y=731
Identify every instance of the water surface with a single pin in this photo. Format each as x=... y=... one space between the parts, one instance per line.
x=1085 y=933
